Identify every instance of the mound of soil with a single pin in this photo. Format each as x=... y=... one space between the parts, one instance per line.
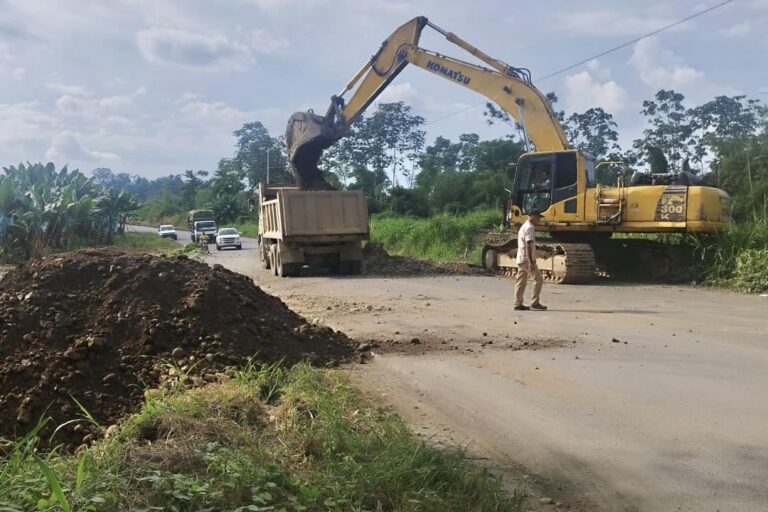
x=102 y=326
x=377 y=261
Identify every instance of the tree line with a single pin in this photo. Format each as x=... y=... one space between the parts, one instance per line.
x=385 y=154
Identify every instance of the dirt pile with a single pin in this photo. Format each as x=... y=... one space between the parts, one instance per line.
x=378 y=262
x=102 y=326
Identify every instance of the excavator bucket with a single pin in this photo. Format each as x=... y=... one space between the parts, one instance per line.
x=306 y=136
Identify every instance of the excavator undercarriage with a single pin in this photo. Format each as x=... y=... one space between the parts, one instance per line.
x=583 y=262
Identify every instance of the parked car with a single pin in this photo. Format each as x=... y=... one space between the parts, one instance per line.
x=228 y=237
x=167 y=231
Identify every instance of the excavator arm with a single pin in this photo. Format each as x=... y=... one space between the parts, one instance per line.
x=308 y=134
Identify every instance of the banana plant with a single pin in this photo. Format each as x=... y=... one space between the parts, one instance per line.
x=43 y=209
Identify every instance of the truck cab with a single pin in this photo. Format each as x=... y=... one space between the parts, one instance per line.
x=204 y=226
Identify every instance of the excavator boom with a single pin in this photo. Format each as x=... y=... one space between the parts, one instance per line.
x=308 y=134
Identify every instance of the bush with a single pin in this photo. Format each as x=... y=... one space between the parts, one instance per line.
x=737 y=257
x=751 y=273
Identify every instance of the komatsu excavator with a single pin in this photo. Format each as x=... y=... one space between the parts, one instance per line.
x=552 y=177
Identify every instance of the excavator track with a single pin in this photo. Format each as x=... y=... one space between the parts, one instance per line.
x=560 y=263
x=573 y=262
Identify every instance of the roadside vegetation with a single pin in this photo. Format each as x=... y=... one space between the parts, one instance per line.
x=43 y=209
x=442 y=237
x=737 y=258
x=268 y=438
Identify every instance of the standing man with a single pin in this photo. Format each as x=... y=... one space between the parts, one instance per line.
x=526 y=263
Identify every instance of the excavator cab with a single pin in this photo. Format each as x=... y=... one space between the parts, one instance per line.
x=550 y=182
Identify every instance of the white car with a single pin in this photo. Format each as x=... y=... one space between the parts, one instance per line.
x=228 y=237
x=167 y=231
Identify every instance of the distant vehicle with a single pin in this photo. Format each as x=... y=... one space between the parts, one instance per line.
x=228 y=237
x=204 y=226
x=167 y=231
x=201 y=221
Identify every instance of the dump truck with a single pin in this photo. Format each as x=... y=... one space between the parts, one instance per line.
x=318 y=228
x=199 y=222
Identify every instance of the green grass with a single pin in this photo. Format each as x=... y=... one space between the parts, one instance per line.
x=146 y=241
x=269 y=438
x=442 y=237
x=736 y=258
x=249 y=229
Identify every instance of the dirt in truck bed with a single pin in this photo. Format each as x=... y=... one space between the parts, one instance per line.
x=102 y=326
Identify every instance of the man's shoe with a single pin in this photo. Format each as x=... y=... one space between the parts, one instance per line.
x=538 y=306
x=521 y=307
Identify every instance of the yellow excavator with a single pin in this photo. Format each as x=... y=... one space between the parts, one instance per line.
x=552 y=177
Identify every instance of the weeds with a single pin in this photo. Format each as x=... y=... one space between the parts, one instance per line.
x=271 y=438
x=737 y=257
x=443 y=237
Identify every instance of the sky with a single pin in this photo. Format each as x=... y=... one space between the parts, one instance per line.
x=154 y=87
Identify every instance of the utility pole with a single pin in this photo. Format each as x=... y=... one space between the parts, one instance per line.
x=268 y=166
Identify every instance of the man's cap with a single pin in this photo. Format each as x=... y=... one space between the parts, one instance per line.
x=534 y=212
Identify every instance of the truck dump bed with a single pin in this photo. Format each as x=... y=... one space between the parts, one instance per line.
x=292 y=214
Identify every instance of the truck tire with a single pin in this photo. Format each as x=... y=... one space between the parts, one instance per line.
x=264 y=255
x=273 y=259
x=281 y=270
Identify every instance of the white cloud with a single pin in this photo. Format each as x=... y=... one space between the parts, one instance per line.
x=19 y=74
x=609 y=23
x=593 y=88
x=88 y=106
x=217 y=111
x=75 y=90
x=20 y=122
x=206 y=51
x=66 y=146
x=218 y=117
x=660 y=68
x=405 y=92
x=6 y=55
x=737 y=31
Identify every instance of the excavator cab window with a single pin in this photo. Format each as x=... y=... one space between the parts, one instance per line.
x=565 y=176
x=533 y=183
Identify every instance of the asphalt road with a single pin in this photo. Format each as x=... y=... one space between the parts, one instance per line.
x=620 y=397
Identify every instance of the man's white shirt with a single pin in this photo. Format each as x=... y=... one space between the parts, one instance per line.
x=527 y=233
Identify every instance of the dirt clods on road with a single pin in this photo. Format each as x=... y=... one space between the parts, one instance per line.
x=101 y=327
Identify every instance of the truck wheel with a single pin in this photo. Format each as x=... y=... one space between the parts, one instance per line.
x=218 y=247
x=273 y=260
x=193 y=239
x=280 y=269
x=264 y=255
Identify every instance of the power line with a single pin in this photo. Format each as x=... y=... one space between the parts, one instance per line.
x=453 y=113
x=601 y=54
x=633 y=41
